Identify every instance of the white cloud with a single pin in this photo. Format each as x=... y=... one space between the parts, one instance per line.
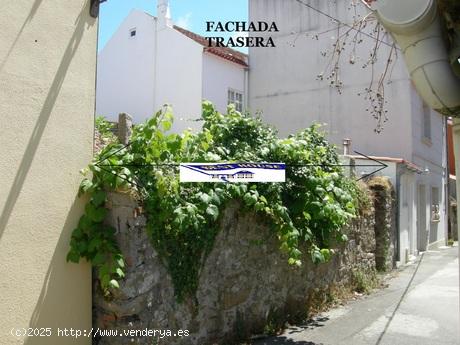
x=184 y=21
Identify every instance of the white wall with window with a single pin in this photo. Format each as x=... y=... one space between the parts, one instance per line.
x=284 y=87
x=149 y=62
x=430 y=153
x=125 y=70
x=223 y=83
x=236 y=98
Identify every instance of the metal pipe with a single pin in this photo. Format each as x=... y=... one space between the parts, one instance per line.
x=416 y=26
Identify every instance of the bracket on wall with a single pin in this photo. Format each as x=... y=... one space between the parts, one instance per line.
x=94 y=7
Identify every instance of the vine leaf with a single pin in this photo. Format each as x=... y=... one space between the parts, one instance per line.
x=85 y=186
x=213 y=211
x=99 y=198
x=182 y=219
x=95 y=214
x=114 y=284
x=73 y=256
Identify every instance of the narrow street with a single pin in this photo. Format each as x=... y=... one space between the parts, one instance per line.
x=420 y=307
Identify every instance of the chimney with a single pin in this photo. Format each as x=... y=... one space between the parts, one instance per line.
x=164 y=14
x=346 y=147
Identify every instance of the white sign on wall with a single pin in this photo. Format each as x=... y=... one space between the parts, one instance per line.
x=233 y=172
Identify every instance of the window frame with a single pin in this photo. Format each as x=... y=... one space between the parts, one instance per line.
x=239 y=103
x=426 y=124
x=131 y=31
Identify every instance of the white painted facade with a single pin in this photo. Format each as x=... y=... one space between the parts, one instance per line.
x=283 y=85
x=158 y=64
x=218 y=76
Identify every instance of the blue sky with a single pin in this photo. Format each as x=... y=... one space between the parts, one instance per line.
x=190 y=14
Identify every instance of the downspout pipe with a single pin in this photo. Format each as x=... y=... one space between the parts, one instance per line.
x=416 y=26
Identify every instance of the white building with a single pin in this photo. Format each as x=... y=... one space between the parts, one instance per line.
x=283 y=85
x=150 y=62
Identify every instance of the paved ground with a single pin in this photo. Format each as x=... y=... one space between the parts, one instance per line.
x=420 y=307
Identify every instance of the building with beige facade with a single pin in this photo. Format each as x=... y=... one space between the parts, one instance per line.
x=47 y=96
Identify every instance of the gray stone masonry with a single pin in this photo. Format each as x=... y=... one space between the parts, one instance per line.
x=244 y=281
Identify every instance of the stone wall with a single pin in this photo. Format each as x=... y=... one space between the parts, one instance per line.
x=244 y=284
x=385 y=228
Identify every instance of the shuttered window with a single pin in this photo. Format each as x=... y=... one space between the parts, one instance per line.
x=236 y=98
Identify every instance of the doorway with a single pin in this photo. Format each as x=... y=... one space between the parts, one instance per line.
x=422 y=231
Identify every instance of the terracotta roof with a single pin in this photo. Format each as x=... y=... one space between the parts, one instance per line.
x=409 y=165
x=223 y=52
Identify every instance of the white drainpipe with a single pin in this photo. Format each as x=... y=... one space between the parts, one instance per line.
x=416 y=26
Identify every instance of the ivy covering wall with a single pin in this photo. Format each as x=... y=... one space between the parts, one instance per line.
x=307 y=213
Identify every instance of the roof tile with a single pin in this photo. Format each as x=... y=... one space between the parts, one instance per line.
x=223 y=52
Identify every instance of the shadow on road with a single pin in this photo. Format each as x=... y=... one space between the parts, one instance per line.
x=310 y=324
x=282 y=340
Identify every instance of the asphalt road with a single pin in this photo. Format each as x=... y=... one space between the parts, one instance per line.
x=419 y=307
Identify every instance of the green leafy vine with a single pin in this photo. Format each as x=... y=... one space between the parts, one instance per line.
x=308 y=212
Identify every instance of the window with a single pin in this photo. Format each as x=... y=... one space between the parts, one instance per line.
x=435 y=211
x=132 y=32
x=236 y=98
x=426 y=122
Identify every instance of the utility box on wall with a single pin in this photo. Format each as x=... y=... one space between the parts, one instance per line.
x=47 y=95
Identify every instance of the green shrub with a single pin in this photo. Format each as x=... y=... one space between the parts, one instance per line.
x=307 y=212
x=364 y=282
x=104 y=127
